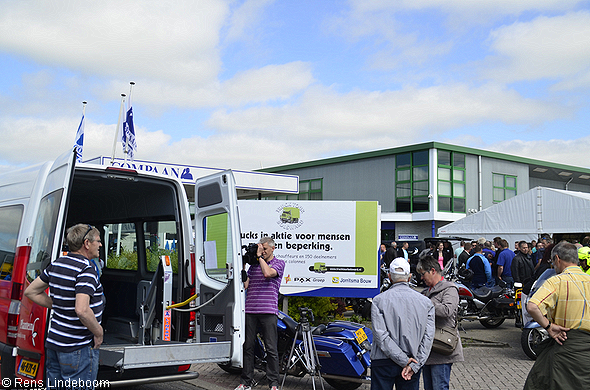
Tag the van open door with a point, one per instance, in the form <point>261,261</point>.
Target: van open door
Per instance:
<point>45,246</point>
<point>219,263</point>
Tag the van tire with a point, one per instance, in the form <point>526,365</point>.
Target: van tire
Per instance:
<point>230,369</point>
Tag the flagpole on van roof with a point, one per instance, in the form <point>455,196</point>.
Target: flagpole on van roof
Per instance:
<point>117,131</point>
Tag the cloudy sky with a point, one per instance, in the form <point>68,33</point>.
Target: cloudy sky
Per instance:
<point>259,83</point>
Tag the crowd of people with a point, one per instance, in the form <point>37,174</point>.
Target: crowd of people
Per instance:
<point>405,324</point>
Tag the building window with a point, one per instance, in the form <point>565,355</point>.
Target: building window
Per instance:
<point>411,182</point>
<point>451,181</point>
<point>504,187</point>
<point>308,190</point>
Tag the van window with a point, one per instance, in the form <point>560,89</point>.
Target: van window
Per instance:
<point>160,239</point>
<point>44,234</point>
<point>10,220</point>
<point>218,249</point>
<point>121,252</point>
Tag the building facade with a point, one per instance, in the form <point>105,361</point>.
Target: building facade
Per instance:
<point>422,187</point>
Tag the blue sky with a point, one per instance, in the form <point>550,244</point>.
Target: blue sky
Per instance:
<point>258,83</point>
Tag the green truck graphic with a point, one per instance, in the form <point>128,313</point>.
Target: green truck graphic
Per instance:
<point>290,215</point>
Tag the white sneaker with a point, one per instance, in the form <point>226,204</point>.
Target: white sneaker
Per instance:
<point>243,387</point>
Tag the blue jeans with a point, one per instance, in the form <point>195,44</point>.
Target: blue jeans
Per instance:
<point>509,280</point>
<point>65,367</point>
<point>437,376</point>
<point>385,373</point>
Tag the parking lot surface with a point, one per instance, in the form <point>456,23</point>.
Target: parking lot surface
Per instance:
<point>494,360</point>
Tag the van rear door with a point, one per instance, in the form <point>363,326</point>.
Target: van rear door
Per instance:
<point>45,246</point>
<point>219,263</point>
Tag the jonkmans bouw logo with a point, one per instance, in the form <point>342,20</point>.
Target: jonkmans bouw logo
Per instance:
<point>289,215</point>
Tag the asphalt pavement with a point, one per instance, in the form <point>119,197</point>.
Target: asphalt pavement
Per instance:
<point>494,360</point>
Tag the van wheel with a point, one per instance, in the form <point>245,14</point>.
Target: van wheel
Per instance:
<point>340,384</point>
<point>229,368</point>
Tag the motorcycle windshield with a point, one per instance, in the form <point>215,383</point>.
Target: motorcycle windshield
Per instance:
<point>539,282</point>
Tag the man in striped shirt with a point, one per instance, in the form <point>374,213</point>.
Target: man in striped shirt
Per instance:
<point>77,300</point>
<point>262,298</point>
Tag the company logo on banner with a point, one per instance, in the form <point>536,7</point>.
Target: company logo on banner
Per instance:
<point>289,216</point>
<point>323,243</point>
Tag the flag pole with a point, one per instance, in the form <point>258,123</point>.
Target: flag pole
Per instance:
<point>126,149</point>
<point>117,131</point>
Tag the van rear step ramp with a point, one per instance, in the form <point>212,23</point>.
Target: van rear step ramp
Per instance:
<point>126,357</point>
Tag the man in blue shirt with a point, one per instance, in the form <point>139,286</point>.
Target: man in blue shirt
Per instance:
<point>504,263</point>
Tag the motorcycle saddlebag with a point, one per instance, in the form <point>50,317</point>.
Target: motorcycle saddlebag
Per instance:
<point>337,357</point>
<point>502,303</point>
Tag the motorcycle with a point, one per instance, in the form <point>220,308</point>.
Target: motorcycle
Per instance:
<point>343,350</point>
<point>490,306</point>
<point>532,333</point>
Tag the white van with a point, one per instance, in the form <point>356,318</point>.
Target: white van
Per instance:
<point>152,263</point>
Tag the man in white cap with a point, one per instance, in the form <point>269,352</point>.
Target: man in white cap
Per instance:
<point>403,331</point>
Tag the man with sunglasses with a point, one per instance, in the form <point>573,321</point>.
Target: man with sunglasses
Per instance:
<point>77,300</point>
<point>561,307</point>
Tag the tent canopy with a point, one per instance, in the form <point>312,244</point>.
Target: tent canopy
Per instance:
<point>538,211</point>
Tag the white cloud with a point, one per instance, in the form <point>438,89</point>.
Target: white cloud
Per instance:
<point>545,48</point>
<point>269,83</point>
<point>465,9</point>
<point>246,17</point>
<point>176,41</point>
<point>572,152</point>
<point>324,114</point>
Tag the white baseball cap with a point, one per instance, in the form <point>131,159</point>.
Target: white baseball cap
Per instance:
<point>399,266</point>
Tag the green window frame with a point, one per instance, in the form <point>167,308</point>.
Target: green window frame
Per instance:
<point>308,190</point>
<point>504,186</point>
<point>412,182</point>
<point>451,188</point>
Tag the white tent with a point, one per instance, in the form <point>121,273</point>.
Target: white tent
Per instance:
<point>526,216</point>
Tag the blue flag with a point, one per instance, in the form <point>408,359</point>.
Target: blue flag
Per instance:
<point>79,144</point>
<point>128,135</point>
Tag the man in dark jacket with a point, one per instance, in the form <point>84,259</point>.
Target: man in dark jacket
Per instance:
<point>522,265</point>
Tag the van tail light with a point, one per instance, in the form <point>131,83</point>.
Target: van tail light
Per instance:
<point>192,321</point>
<point>21,259</point>
<point>193,269</point>
<point>13,313</point>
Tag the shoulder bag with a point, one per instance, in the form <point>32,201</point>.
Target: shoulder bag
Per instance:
<point>445,340</point>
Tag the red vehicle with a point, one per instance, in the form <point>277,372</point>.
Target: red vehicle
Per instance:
<point>150,264</point>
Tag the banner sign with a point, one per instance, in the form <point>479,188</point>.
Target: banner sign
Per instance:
<point>323,243</point>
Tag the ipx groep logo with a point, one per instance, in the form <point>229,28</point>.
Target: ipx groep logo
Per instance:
<point>290,216</point>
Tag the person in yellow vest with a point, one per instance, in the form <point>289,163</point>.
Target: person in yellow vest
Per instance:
<point>584,256</point>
